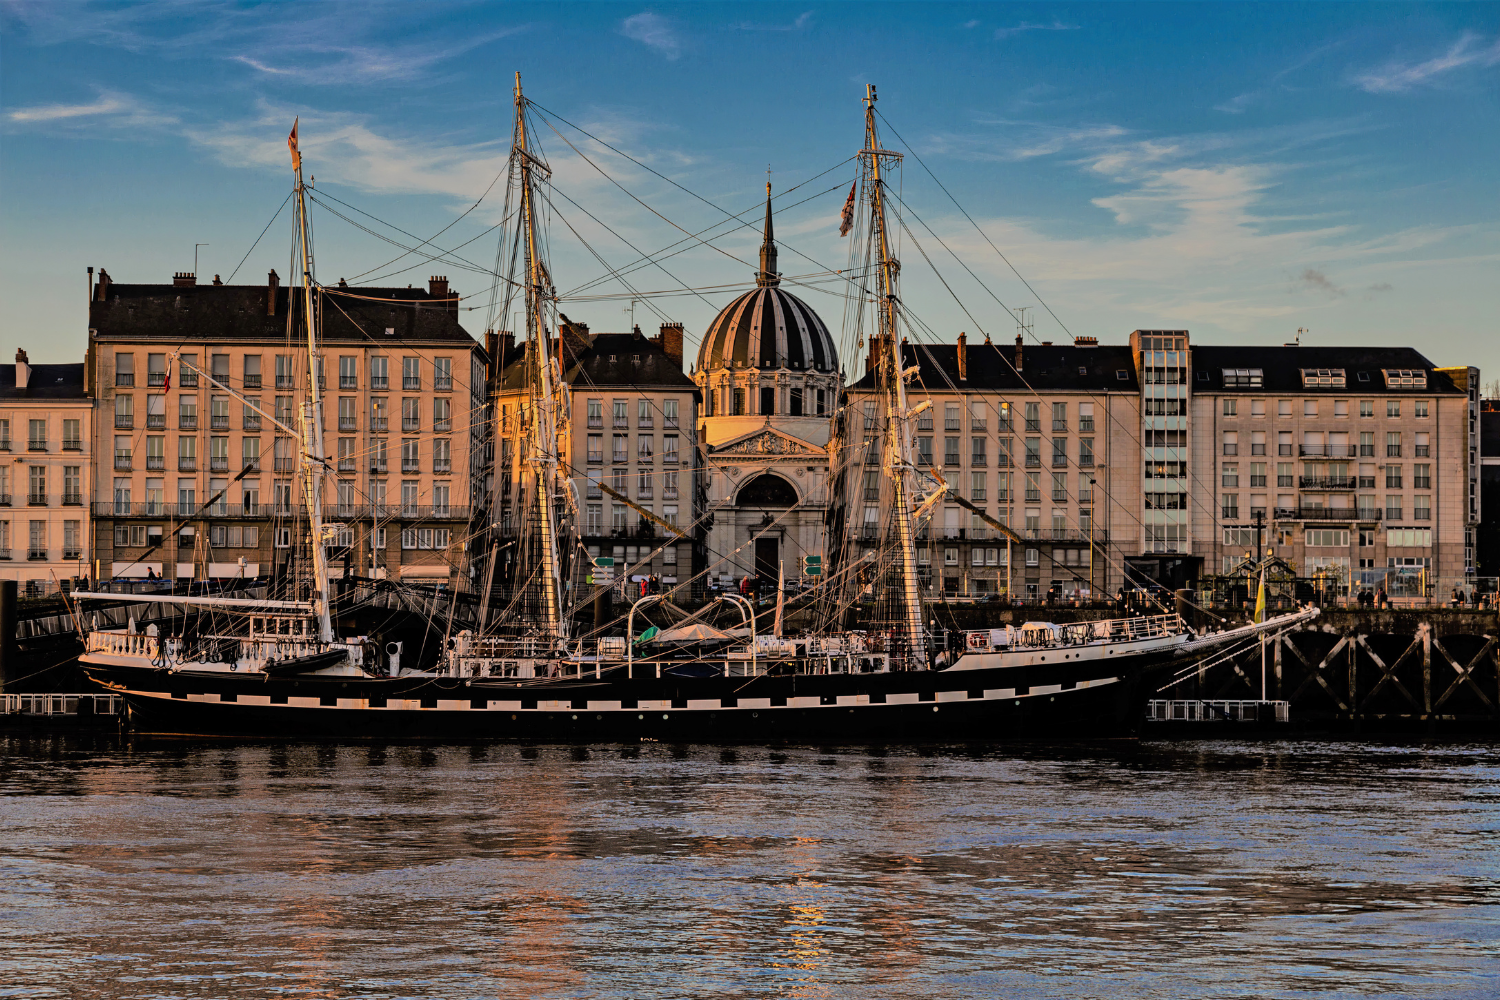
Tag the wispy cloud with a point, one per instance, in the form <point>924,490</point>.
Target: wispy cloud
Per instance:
<point>1025,26</point>
<point>972,24</point>
<point>800,23</point>
<point>1396,77</point>
<point>114,108</point>
<point>316,62</point>
<point>653,31</point>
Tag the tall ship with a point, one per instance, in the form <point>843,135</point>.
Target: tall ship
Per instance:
<point>538,659</point>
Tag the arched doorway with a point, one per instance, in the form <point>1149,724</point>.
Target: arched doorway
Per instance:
<point>765,491</point>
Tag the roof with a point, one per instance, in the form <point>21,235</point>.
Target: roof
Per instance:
<point>794,336</point>
<point>1281,368</point>
<point>225,313</point>
<point>1045,368</point>
<point>610,360</point>
<point>44,382</point>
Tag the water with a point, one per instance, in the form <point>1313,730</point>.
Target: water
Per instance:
<point>176,869</point>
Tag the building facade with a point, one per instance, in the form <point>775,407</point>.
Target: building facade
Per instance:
<point>46,475</point>
<point>1039,437</point>
<point>198,392</point>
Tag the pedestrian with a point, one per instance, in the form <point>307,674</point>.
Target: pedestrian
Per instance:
<point>1381,599</point>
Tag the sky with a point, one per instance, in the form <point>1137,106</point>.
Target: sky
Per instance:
<point>1237,170</point>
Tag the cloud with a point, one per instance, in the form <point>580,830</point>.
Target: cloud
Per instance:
<point>972,24</point>
<point>653,31</point>
<point>1024,26</point>
<point>1397,77</point>
<point>317,62</point>
<point>115,108</point>
<point>1316,280</point>
<point>1376,289</point>
<point>797,25</point>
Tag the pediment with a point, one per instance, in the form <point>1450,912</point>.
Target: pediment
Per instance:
<point>765,441</point>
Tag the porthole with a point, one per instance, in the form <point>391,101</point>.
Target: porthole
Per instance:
<point>664,715</point>
<point>640,716</point>
<point>575,718</point>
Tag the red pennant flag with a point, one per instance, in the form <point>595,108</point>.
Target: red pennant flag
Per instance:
<point>846,218</point>
<point>291,143</point>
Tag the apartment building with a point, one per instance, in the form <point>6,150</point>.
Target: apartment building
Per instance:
<point>632,417</point>
<point>1042,438</point>
<point>45,475</point>
<point>199,389</point>
<point>1355,464</point>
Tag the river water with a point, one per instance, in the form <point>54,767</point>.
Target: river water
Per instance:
<point>158,869</point>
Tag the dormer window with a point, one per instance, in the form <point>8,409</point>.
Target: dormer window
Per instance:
<point>1323,378</point>
<point>1404,378</point>
<point>1243,378</point>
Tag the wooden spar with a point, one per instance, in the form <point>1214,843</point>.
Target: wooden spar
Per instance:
<point>642,511</point>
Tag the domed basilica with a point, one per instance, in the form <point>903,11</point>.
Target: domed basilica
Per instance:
<point>770,379</point>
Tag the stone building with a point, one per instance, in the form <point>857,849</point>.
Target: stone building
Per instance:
<point>195,481</point>
<point>46,476</point>
<point>770,378</point>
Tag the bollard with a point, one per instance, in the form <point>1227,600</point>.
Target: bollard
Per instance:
<point>7,630</point>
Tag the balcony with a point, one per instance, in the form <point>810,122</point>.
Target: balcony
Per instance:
<point>284,464</point>
<point>1393,451</point>
<point>379,425</point>
<point>4,553</point>
<point>347,464</point>
<point>5,445</point>
<point>1100,535</point>
<point>442,466</point>
<point>1002,461</point>
<point>1033,496</point>
<point>1326,514</point>
<point>187,463</point>
<point>978,461</point>
<point>187,421</point>
<point>252,381</point>
<point>156,421</point>
<point>411,424</point>
<point>1059,461</point>
<point>379,383</point>
<point>1284,450</point>
<point>348,381</point>
<point>1421,451</point>
<point>379,466</point>
<point>978,426</point>
<point>106,508</point>
<point>187,380</point>
<point>125,380</point>
<point>1033,426</point>
<point>411,465</point>
<point>951,460</point>
<point>155,380</point>
<point>36,444</point>
<point>870,532</point>
<point>1422,514</point>
<point>122,462</point>
<point>1326,482</point>
<point>154,463</point>
<point>286,381</point>
<point>72,499</point>
<point>1085,461</point>
<point>251,422</point>
<point>36,499</point>
<point>1326,451</point>
<point>1421,482</point>
<point>412,382</point>
<point>1059,427</point>
<point>123,422</point>
<point>217,464</point>
<point>596,423</point>
<point>443,383</point>
<point>219,422</point>
<point>622,424</point>
<point>1033,461</point>
<point>36,555</point>
<point>72,553</point>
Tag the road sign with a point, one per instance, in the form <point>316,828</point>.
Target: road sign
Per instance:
<point>812,565</point>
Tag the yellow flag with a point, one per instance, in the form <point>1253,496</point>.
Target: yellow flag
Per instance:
<point>1260,599</point>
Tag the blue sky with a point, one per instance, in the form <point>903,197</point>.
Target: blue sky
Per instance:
<point>1236,170</point>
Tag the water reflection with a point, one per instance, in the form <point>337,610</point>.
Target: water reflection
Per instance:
<point>179,869</point>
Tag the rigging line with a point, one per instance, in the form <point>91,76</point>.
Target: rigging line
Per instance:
<point>456,261</point>
<point>901,219</point>
<point>685,244</point>
<point>966,215</point>
<point>603,263</point>
<point>669,180</point>
<point>260,237</point>
<point>427,258</point>
<point>449,226</point>
<point>547,198</point>
<point>955,256</point>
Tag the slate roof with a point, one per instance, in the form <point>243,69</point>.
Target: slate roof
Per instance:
<point>45,382</point>
<point>1281,368</point>
<point>611,360</point>
<point>1053,367</point>
<point>227,313</point>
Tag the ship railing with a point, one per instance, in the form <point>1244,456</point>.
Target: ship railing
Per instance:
<point>58,704</point>
<point>124,644</point>
<point>1078,633</point>
<point>1216,710</point>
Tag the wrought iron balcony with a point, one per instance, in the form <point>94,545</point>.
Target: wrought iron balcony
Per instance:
<point>155,463</point>
<point>251,423</point>
<point>36,444</point>
<point>118,508</point>
<point>252,381</point>
<point>284,464</point>
<point>380,383</point>
<point>122,462</point>
<point>442,466</point>
<point>187,463</point>
<point>36,499</point>
<point>410,424</point>
<point>1326,482</point>
<point>123,422</point>
<point>380,425</point>
<point>1327,450</point>
<point>443,383</point>
<point>156,380</point>
<point>411,381</point>
<point>348,381</point>
<point>125,379</point>
<point>36,555</point>
<point>1326,514</point>
<point>187,421</point>
<point>72,499</point>
<point>219,422</point>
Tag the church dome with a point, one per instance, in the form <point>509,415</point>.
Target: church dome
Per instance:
<point>767,327</point>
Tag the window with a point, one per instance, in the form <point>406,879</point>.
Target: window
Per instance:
<point>594,519</point>
<point>1326,538</point>
<point>442,374</point>
<point>596,448</point>
<point>1323,378</point>
<point>1419,409</point>
<point>411,459</point>
<point>1059,453</point>
<point>977,492</point>
<point>411,373</point>
<point>1393,477</point>
<point>1393,444</point>
<point>218,454</point>
<point>645,447</point>
<point>1409,538</point>
<point>1033,557</point>
<point>250,449</point>
<point>1085,453</point>
<point>1367,407</point>
<point>950,451</point>
<point>1421,477</point>
<point>1034,416</point>
<point>1231,407</point>
<point>1059,487</point>
<point>218,418</point>
<point>1403,378</point>
<point>187,454</point>
<point>411,414</point>
<point>669,454</point>
<point>1231,506</point>
<point>37,493</point>
<point>251,414</point>
<point>643,413</point>
<point>187,413</point>
<point>924,451</point>
<point>380,379</point>
<point>1423,446</point>
<point>1393,508</point>
<point>1257,442</point>
<point>377,453</point>
<point>348,372</point>
<point>1243,378</point>
<point>252,371</point>
<point>37,440</point>
<point>1393,408</point>
<point>285,378</point>
<point>1283,407</point>
<point>442,455</point>
<point>1309,407</point>
<point>124,413</point>
<point>739,402</point>
<point>1366,444</point>
<point>1033,453</point>
<point>1231,474</point>
<point>1421,508</point>
<point>1231,442</point>
<point>1059,418</point>
<point>977,456</point>
<point>669,413</point>
<point>124,369</point>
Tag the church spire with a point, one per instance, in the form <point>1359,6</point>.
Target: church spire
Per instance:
<point>768,275</point>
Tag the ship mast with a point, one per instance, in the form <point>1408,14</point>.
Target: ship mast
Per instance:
<point>542,456</point>
<point>891,379</point>
<point>314,462</point>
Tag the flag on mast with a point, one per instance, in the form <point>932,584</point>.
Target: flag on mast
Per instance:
<point>846,217</point>
<point>1260,598</point>
<point>291,143</point>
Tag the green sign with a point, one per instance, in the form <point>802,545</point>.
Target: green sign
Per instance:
<point>814,560</point>
<point>812,565</point>
<point>648,635</point>
<point>602,561</point>
<point>814,571</point>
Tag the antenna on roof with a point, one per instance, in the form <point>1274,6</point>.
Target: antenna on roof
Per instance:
<point>1300,331</point>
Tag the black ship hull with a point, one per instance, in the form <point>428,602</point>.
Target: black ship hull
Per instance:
<point>1072,700</point>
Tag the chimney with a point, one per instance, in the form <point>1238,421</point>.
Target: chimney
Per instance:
<point>273,282</point>
<point>184,279</point>
<point>872,360</point>
<point>1085,341</point>
<point>101,290</point>
<point>507,346</point>
<point>437,288</point>
<point>217,281</point>
<point>963,357</point>
<point>670,340</point>
<point>637,332</point>
<point>23,370</point>
<point>1018,352</point>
